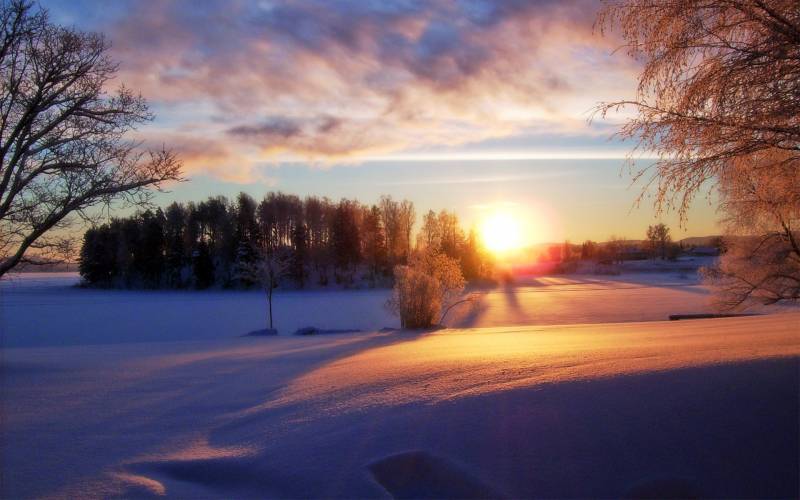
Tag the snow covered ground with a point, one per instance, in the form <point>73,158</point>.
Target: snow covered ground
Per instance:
<point>47,309</point>
<point>40,310</point>
<point>136,394</point>
<point>706,407</point>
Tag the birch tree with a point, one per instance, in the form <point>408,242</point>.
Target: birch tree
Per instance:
<point>718,102</point>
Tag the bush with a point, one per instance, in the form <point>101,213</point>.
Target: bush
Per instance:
<point>431,283</point>
<point>415,298</point>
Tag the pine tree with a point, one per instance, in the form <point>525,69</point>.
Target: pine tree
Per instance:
<point>299,255</point>
<point>346,241</point>
<point>246,238</point>
<point>203,266</point>
<point>149,249</point>
<point>174,234</point>
<point>98,256</point>
<point>375,252</point>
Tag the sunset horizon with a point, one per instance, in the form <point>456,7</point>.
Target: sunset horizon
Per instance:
<point>399,249</point>
<point>364,119</point>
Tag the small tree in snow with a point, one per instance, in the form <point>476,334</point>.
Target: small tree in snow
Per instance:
<point>427,289</point>
<point>267,270</point>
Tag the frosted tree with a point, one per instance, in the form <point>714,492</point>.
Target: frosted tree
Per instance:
<point>62,135</point>
<point>427,289</point>
<point>762,207</point>
<point>717,102</point>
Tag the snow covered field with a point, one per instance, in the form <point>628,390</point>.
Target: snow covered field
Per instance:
<point>49,310</point>
<point>704,407</point>
<point>138,394</point>
<point>46,309</point>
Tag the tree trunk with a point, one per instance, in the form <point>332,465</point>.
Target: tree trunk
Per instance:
<point>269,299</point>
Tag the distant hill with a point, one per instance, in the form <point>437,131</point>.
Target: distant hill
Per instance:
<point>691,241</point>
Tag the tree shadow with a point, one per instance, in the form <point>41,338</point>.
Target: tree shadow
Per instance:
<point>694,288</point>
<point>474,314</point>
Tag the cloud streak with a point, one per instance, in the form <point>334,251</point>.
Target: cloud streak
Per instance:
<point>555,174</point>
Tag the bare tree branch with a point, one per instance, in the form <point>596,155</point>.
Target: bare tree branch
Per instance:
<point>63,146</point>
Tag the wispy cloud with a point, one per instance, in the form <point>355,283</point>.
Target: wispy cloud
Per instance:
<point>563,154</point>
<point>346,80</point>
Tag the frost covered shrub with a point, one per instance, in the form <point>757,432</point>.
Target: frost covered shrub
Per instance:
<point>762,208</point>
<point>429,284</point>
<point>415,298</point>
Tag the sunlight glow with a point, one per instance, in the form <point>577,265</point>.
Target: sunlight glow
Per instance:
<point>500,232</point>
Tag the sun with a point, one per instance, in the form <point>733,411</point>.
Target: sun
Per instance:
<point>500,232</point>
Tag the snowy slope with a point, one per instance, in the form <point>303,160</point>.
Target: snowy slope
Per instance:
<point>704,407</point>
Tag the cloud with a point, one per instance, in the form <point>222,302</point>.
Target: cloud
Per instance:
<point>271,129</point>
<point>328,80</point>
<point>215,158</point>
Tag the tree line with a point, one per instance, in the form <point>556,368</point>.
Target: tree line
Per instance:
<point>313,241</point>
<point>616,249</point>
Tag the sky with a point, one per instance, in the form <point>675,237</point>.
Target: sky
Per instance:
<point>468,105</point>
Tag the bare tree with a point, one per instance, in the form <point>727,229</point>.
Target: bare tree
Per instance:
<point>430,235</point>
<point>398,222</point>
<point>615,248</point>
<point>407,217</point>
<point>719,102</point>
<point>62,135</point>
<point>390,215</point>
<point>658,239</point>
<point>270,265</point>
